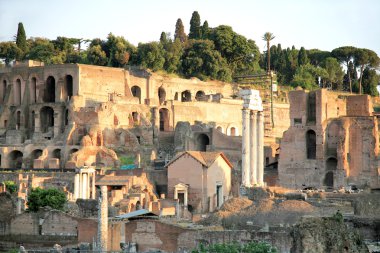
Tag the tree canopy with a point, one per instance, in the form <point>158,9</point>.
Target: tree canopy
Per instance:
<point>39,198</point>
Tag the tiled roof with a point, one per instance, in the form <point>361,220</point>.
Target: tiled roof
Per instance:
<point>205,158</point>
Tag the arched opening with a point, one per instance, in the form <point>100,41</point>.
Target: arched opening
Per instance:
<point>161,95</point>
<point>176,96</point>
<point>68,92</point>
<point>220,129</point>
<point>136,92</point>
<point>329,179</point>
<point>72,151</point>
<point>18,92</point>
<point>164,119</point>
<point>49,92</point>
<point>56,153</point>
<point>311,144</point>
<point>33,124</point>
<point>33,90</point>
<point>66,117</point>
<point>233,131</point>
<point>15,159</point>
<point>35,155</point>
<point>18,120</point>
<point>186,96</point>
<point>200,96</point>
<point>135,117</point>
<point>4,89</point>
<point>47,119</point>
<point>331,164</point>
<point>202,142</point>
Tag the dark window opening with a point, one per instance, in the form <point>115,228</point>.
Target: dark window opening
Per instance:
<point>311,144</point>
<point>49,92</point>
<point>311,107</point>
<point>186,96</point>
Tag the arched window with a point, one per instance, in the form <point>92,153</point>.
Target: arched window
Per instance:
<point>68,88</point>
<point>186,96</point>
<point>15,159</point>
<point>49,92</point>
<point>17,92</point>
<point>200,96</point>
<point>33,90</point>
<point>18,120</point>
<point>47,118</point>
<point>164,119</point>
<point>202,142</point>
<point>161,95</point>
<point>220,129</point>
<point>233,131</point>
<point>311,144</point>
<point>136,92</point>
<point>56,153</point>
<point>35,155</point>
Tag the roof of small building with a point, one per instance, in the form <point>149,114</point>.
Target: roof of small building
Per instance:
<point>112,180</point>
<point>205,158</point>
<point>143,213</point>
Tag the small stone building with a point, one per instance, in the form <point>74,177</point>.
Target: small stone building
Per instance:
<point>333,141</point>
<point>200,181</point>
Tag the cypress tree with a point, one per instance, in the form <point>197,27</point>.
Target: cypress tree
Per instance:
<point>195,26</point>
<point>180,31</point>
<point>302,57</point>
<point>21,37</point>
<point>163,38</point>
<point>205,29</point>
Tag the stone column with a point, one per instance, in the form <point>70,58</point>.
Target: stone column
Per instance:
<point>57,123</point>
<point>84,186</point>
<point>175,193</point>
<point>103,219</point>
<point>260,149</point>
<point>93,191</point>
<point>253,148</point>
<point>76,186</point>
<point>245,149</point>
<point>185,199</point>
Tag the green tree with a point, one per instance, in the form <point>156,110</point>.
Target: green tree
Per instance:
<point>302,57</point>
<point>195,26</point>
<point>235,247</point>
<point>38,198</point>
<point>345,55</point>
<point>306,76</point>
<point>10,186</point>
<point>201,60</point>
<point>96,55</point>
<point>9,52</point>
<point>370,82</point>
<point>173,53</point>
<point>267,37</point>
<point>205,30</point>
<point>151,55</point>
<point>334,72</point>
<point>118,50</point>
<point>42,49</point>
<point>21,40</point>
<point>180,31</point>
<point>365,58</point>
<point>317,57</point>
<point>164,38</point>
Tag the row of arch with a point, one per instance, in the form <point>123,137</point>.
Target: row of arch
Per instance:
<point>16,157</point>
<point>185,96</point>
<point>231,131</point>
<point>48,91</point>
<point>46,119</point>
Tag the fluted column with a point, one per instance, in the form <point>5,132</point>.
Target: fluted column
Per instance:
<point>76,186</point>
<point>245,149</point>
<point>260,149</point>
<point>253,148</point>
<point>84,186</point>
<point>93,191</point>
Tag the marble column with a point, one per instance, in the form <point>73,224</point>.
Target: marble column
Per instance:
<point>253,148</point>
<point>103,219</point>
<point>84,186</point>
<point>245,149</point>
<point>260,149</point>
<point>76,186</point>
<point>93,191</point>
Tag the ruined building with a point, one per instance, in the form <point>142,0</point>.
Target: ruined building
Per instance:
<point>333,141</point>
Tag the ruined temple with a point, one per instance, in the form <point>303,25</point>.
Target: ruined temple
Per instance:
<point>333,141</point>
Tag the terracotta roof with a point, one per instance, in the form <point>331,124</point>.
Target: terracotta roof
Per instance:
<point>205,158</point>
<point>112,180</point>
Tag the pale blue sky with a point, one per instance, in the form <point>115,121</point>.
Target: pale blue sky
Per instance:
<point>322,24</point>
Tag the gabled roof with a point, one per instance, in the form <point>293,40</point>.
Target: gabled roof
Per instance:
<point>205,158</point>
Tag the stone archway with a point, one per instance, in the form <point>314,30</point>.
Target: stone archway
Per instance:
<point>35,155</point>
<point>186,96</point>
<point>202,142</point>
<point>161,95</point>
<point>47,118</point>
<point>49,92</point>
<point>164,119</point>
<point>136,92</point>
<point>68,87</point>
<point>15,159</point>
<point>200,96</point>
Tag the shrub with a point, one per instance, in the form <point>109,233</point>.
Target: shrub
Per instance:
<point>38,198</point>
